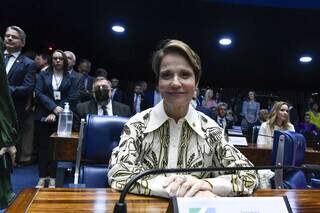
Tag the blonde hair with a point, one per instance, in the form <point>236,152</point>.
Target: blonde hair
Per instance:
<point>176,46</point>
<point>273,115</point>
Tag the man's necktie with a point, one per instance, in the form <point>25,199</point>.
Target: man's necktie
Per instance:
<point>6,59</point>
<point>104,108</point>
<point>221,122</point>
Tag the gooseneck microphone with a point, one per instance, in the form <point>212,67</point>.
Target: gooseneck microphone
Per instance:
<point>121,206</point>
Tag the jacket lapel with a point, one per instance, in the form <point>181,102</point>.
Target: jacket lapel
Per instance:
<point>15,66</point>
<point>93,108</point>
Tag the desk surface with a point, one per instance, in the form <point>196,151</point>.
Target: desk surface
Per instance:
<point>103,200</point>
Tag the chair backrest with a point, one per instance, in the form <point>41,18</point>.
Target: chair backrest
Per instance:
<point>294,148</point>
<point>94,176</point>
<point>101,136</point>
<point>255,133</point>
<point>288,150</point>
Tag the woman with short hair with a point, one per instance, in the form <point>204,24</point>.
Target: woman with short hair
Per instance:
<point>173,134</point>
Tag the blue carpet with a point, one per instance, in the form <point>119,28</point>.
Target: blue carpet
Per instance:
<point>24,177</point>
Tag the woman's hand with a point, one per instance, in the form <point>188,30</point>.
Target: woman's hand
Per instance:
<point>51,118</point>
<point>57,110</point>
<point>12,151</point>
<point>185,186</point>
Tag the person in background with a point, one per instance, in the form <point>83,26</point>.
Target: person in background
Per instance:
<point>117,94</point>
<point>314,115</point>
<point>85,92</point>
<point>221,118</point>
<point>175,135</point>
<point>8,136</point>
<point>195,104</point>
<point>293,114</point>
<point>77,76</point>
<point>42,61</point>
<point>54,88</point>
<point>250,113</point>
<point>263,117</point>
<point>153,97</point>
<point>144,86</point>
<point>101,72</point>
<point>279,120</point>
<point>102,104</point>
<point>308,129</point>
<point>136,100</point>
<point>208,101</point>
<point>21,72</point>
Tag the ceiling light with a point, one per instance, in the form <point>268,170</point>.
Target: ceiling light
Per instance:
<point>305,59</point>
<point>225,41</point>
<point>118,28</point>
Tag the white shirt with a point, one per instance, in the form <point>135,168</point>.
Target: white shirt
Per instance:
<point>113,92</point>
<point>56,80</point>
<point>109,109</point>
<point>44,68</point>
<point>224,122</point>
<point>265,136</point>
<point>12,59</point>
<point>137,102</point>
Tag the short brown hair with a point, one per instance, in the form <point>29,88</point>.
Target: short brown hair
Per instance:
<point>176,46</point>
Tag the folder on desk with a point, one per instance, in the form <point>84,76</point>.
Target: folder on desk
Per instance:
<point>229,204</point>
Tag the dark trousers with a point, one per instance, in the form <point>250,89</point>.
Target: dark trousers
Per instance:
<point>47,167</point>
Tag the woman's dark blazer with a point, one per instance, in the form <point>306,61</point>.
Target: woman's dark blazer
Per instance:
<point>44,93</point>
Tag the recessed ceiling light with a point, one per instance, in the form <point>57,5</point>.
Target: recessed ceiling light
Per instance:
<point>305,59</point>
<point>118,28</point>
<point>225,41</point>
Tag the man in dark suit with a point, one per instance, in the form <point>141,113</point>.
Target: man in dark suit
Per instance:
<point>102,104</point>
<point>136,100</point>
<point>117,94</point>
<point>71,62</point>
<point>221,118</point>
<point>20,72</point>
<point>85,92</point>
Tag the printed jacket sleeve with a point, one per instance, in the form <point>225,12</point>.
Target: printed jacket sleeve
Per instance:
<point>126,162</point>
<point>231,183</point>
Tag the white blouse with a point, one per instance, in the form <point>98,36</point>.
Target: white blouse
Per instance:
<point>265,136</point>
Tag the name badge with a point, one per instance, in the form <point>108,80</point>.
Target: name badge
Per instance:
<point>57,95</point>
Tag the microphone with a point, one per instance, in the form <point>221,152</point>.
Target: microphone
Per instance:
<point>121,206</point>
<point>268,136</point>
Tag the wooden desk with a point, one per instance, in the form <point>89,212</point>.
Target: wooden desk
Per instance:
<point>65,150</point>
<point>261,155</point>
<point>103,200</point>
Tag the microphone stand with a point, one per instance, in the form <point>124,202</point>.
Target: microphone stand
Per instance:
<point>121,206</point>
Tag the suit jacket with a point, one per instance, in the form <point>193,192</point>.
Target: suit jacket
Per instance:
<point>44,93</point>
<point>21,80</point>
<point>229,123</point>
<point>90,107</point>
<point>77,77</point>
<point>204,110</point>
<point>85,89</point>
<point>130,103</point>
<point>118,96</point>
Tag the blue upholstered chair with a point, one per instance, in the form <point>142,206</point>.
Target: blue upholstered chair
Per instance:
<point>101,136</point>
<point>289,150</point>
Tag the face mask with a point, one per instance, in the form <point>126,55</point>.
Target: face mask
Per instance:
<point>101,95</point>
